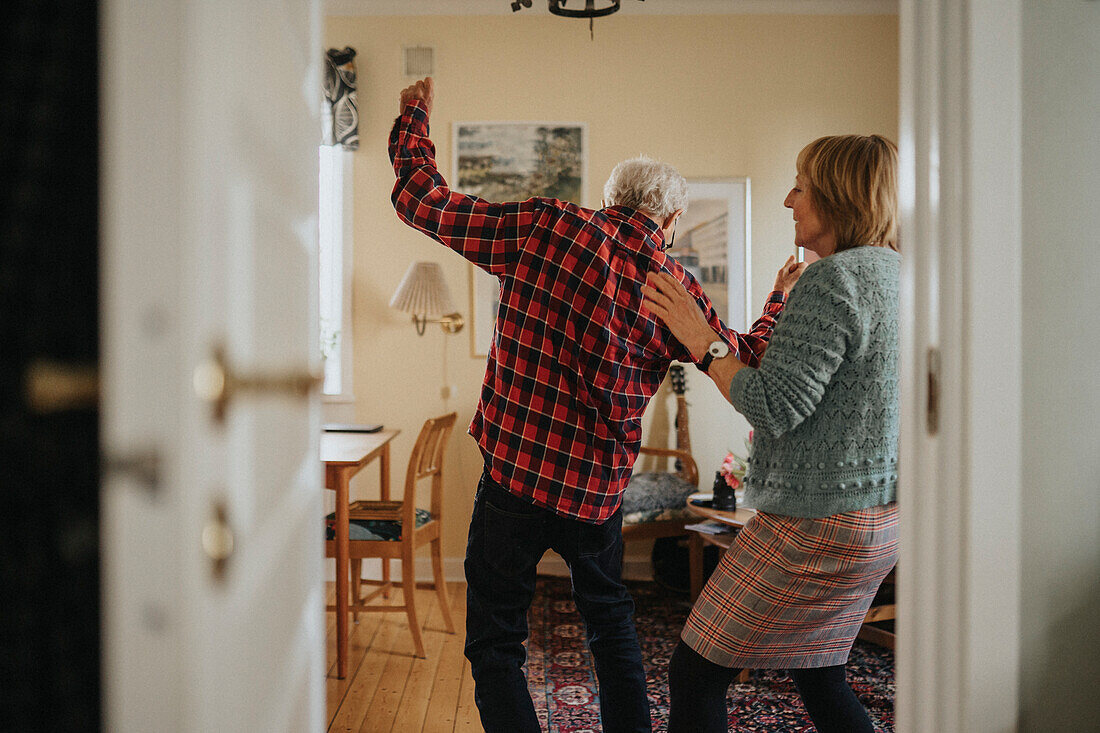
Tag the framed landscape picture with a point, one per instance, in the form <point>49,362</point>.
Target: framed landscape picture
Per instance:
<point>513,161</point>
<point>713,244</point>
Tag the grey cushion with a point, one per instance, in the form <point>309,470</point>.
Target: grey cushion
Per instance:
<point>655,496</point>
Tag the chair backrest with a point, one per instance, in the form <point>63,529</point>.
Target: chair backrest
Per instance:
<point>427,461</point>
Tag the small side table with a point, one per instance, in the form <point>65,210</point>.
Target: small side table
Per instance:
<point>699,505</point>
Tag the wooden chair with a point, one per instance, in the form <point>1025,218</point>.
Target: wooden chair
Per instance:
<point>379,529</point>
<point>660,518</point>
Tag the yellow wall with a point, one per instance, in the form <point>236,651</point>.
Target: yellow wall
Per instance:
<point>715,96</point>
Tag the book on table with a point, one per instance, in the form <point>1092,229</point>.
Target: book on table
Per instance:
<point>339,427</point>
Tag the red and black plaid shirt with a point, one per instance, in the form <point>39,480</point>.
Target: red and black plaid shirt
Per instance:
<point>574,360</point>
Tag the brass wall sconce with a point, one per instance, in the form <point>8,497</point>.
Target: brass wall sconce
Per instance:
<point>423,292</point>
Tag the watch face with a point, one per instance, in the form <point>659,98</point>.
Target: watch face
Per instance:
<point>718,349</point>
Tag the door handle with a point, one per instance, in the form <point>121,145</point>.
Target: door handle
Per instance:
<point>53,386</point>
<point>215,382</point>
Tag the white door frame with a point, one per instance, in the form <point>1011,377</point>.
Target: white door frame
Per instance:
<point>960,496</point>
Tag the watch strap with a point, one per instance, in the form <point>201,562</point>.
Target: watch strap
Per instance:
<point>704,364</point>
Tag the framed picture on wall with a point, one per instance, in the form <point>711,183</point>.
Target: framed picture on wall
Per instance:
<point>513,161</point>
<point>713,244</point>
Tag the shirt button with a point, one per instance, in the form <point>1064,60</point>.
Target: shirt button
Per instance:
<point>841,487</point>
<point>840,464</point>
<point>821,465</point>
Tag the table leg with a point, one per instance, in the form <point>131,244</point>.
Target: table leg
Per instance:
<point>384,494</point>
<point>340,482</point>
<point>695,563</point>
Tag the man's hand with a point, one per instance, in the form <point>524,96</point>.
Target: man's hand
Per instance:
<point>788,275</point>
<point>423,90</point>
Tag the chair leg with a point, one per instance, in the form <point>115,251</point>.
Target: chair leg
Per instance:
<point>408,589</point>
<point>356,578</point>
<point>385,577</point>
<point>440,586</point>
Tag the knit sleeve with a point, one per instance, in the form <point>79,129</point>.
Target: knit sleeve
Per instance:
<point>818,327</point>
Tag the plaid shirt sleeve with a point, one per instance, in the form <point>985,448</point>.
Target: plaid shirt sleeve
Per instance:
<point>487,234</point>
<point>751,345</point>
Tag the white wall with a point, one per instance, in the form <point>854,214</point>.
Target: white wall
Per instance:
<point>1060,652</point>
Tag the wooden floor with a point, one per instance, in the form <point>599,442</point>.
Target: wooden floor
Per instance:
<point>387,687</point>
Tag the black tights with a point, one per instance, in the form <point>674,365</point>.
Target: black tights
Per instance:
<point>697,691</point>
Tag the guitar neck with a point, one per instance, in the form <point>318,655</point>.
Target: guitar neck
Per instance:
<point>683,440</point>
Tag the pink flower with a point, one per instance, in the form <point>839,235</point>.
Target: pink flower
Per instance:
<point>732,481</point>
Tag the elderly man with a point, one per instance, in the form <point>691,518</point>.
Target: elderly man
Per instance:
<point>572,366</point>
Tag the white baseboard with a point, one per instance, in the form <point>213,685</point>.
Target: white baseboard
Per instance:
<point>635,568</point>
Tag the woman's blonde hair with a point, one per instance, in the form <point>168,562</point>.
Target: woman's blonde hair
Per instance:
<point>853,183</point>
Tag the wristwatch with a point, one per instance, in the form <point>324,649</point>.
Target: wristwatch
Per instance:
<point>716,350</point>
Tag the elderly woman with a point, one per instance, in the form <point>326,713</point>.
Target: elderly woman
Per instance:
<point>792,590</point>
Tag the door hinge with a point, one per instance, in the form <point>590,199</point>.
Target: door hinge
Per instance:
<point>933,407</point>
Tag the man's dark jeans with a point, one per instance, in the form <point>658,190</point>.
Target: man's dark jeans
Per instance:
<point>508,536</point>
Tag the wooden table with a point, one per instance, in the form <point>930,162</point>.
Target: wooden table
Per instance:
<point>698,505</point>
<point>344,455</point>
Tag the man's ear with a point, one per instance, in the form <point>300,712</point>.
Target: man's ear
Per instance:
<point>671,218</point>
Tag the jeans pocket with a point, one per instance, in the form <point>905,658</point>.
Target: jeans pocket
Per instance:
<point>598,539</point>
<point>511,531</point>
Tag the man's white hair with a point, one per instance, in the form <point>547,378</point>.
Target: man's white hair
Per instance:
<point>647,185</point>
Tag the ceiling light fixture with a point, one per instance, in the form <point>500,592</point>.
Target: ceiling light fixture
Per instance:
<point>591,9</point>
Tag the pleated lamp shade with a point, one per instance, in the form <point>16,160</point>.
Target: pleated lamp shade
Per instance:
<point>423,293</point>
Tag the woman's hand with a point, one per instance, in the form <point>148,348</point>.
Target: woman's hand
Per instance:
<point>666,298</point>
<point>423,90</point>
<point>788,275</point>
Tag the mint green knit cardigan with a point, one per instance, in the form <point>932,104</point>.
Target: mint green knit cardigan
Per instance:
<point>823,403</point>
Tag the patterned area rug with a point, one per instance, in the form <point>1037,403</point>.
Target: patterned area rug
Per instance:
<point>563,684</point>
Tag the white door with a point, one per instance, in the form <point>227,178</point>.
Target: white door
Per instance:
<point>959,492</point>
<point>208,233</point>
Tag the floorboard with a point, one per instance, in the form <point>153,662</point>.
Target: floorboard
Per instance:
<point>388,689</point>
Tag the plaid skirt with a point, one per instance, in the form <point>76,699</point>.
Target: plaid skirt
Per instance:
<point>791,593</point>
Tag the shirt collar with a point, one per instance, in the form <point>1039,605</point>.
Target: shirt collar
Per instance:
<point>635,231</point>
